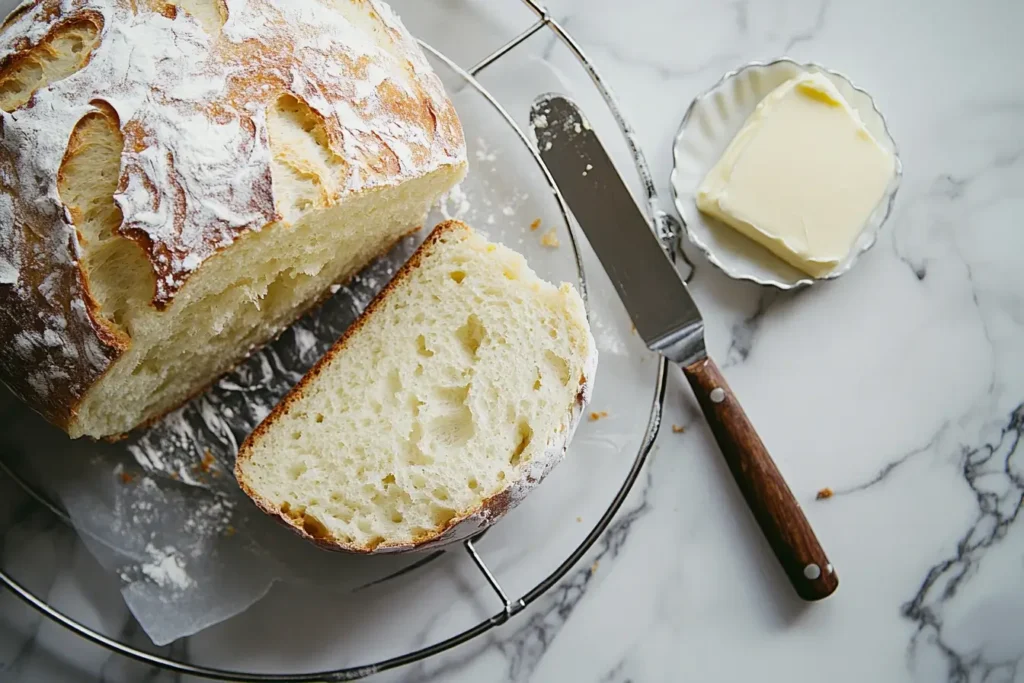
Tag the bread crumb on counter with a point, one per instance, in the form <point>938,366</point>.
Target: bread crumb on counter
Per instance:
<point>535,224</point>
<point>593,567</point>
<point>676,429</point>
<point>579,519</point>
<point>598,415</point>
<point>127,477</point>
<point>230,531</point>
<point>550,239</point>
<point>824,493</point>
<point>206,465</point>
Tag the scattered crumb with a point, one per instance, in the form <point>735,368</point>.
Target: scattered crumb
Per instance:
<point>579,519</point>
<point>593,567</point>
<point>535,224</point>
<point>676,429</point>
<point>632,328</point>
<point>127,477</point>
<point>824,493</point>
<point>598,415</point>
<point>230,531</point>
<point>175,476</point>
<point>207,464</point>
<point>550,239</point>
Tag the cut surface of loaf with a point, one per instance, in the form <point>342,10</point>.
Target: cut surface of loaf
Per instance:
<point>450,398</point>
<point>180,179</point>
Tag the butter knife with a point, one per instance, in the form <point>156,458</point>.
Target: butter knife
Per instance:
<point>669,322</point>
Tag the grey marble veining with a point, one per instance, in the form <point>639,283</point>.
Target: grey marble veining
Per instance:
<point>900,387</point>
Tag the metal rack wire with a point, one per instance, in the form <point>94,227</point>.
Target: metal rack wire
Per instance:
<point>664,225</point>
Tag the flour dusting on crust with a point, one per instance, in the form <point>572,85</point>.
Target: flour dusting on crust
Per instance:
<point>196,166</point>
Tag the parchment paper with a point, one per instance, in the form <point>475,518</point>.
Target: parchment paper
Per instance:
<point>162,509</point>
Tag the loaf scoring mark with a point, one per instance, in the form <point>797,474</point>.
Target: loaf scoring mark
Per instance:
<point>307,173</point>
<point>192,103</point>
<point>65,50</point>
<point>117,275</point>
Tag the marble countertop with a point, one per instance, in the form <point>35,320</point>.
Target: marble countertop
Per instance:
<point>900,387</point>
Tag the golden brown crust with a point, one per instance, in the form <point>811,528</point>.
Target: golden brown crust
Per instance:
<point>54,341</point>
<point>459,527</point>
<point>282,408</point>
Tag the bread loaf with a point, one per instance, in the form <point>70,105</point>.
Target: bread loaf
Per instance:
<point>445,403</point>
<point>179,179</point>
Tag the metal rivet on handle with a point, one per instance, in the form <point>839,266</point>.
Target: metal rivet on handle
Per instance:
<point>812,571</point>
<point>717,395</point>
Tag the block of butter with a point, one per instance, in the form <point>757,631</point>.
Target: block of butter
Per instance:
<point>801,177</point>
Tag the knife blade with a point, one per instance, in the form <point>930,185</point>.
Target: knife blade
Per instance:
<point>668,320</point>
<point>665,315</point>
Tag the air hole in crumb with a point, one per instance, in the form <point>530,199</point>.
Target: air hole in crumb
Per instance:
<point>441,493</point>
<point>314,527</point>
<point>421,348</point>
<point>397,517</point>
<point>524,435</point>
<point>458,275</point>
<point>364,526</point>
<point>472,334</point>
<point>374,541</point>
<point>394,382</point>
<point>501,475</point>
<point>419,481</point>
<point>297,470</point>
<point>390,479</point>
<point>418,371</point>
<point>559,365</point>
<point>344,514</point>
<point>296,436</point>
<point>510,274</point>
<point>319,417</point>
<point>473,483</point>
<point>441,516</point>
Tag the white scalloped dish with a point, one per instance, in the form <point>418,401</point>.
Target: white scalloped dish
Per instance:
<point>711,122</point>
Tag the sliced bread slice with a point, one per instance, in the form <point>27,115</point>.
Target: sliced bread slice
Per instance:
<point>452,396</point>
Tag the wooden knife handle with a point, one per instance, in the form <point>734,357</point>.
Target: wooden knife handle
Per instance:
<point>776,510</point>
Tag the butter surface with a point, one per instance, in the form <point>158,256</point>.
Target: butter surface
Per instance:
<point>801,177</point>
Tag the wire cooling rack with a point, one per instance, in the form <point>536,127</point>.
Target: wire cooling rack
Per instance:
<point>667,229</point>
